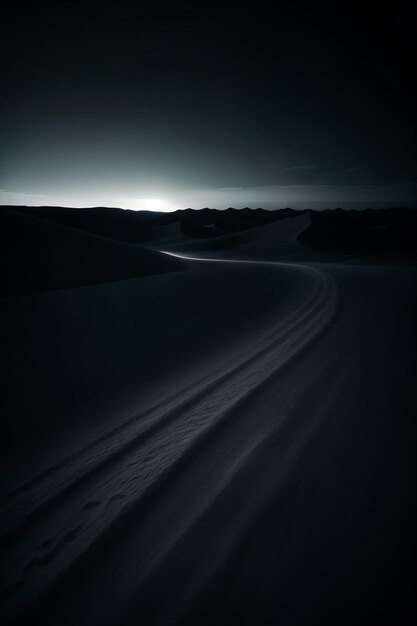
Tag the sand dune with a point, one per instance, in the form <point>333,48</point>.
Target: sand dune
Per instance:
<point>128,226</point>
<point>268,242</point>
<point>232,443</point>
<point>316,236</point>
<point>42,255</point>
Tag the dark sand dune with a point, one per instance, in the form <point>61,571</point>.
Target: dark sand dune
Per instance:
<point>176,423</point>
<point>335,234</point>
<point>361,232</point>
<point>72,345</point>
<point>37,255</point>
<point>274,241</point>
<point>120,224</point>
<point>315,236</point>
<point>229,444</point>
<point>167,234</point>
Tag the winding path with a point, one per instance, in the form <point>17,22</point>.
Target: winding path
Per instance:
<point>168,498</point>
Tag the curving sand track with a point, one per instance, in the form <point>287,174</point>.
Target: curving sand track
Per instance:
<point>265,476</point>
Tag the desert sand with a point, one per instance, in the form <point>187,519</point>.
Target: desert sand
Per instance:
<point>207,417</point>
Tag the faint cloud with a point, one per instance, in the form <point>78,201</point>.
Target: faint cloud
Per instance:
<point>6,194</point>
<point>21,198</point>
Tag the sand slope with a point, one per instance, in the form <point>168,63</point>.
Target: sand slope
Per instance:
<point>268,242</point>
<point>37,255</point>
<point>229,444</point>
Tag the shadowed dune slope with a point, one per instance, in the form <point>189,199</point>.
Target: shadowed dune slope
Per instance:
<point>317,236</point>
<point>121,224</point>
<point>361,232</point>
<point>275,241</point>
<point>277,489</point>
<point>108,343</point>
<point>251,233</point>
<point>37,255</point>
<point>148,226</point>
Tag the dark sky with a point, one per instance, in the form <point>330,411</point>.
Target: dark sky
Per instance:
<point>173,104</point>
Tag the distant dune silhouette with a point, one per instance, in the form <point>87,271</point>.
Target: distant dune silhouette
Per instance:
<point>54,247</point>
<point>336,230</point>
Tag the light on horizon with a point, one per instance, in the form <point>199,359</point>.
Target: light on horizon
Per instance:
<point>149,204</point>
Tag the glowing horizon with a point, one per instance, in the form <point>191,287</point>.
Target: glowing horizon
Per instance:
<point>268,197</point>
